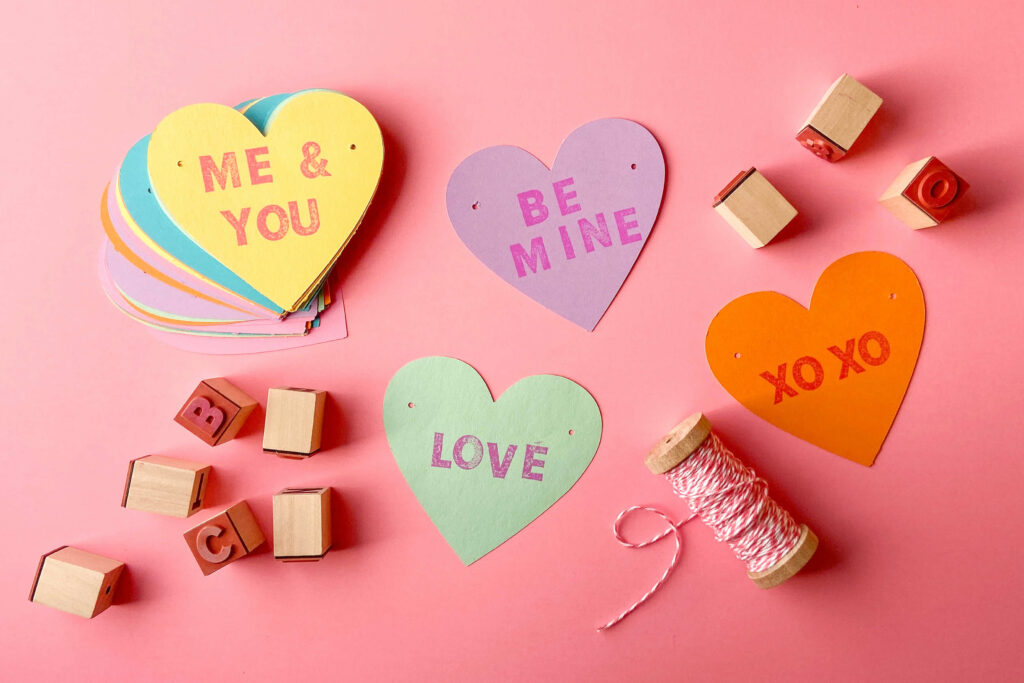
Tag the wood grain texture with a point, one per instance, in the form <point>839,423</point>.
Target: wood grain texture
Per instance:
<point>302,523</point>
<point>844,111</point>
<point>756,210</point>
<point>166,486</point>
<point>679,444</point>
<point>294,421</point>
<point>76,581</point>
<point>791,562</point>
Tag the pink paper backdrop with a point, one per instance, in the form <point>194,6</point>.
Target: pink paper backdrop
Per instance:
<point>918,576</point>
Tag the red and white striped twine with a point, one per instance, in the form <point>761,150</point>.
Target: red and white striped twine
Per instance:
<point>730,498</point>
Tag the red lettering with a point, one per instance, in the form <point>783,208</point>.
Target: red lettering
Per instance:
<point>228,167</point>
<point>779,382</point>
<point>282,219</point>
<point>206,417</point>
<point>314,218</point>
<point>255,166</point>
<point>847,358</point>
<point>883,348</point>
<point>203,545</point>
<point>238,224</point>
<point>798,377</point>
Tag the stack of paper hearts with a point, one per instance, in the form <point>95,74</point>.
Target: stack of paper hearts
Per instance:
<point>223,225</point>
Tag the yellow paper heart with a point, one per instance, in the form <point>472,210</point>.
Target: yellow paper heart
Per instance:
<point>276,209</point>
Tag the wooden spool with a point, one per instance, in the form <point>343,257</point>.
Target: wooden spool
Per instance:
<point>678,445</point>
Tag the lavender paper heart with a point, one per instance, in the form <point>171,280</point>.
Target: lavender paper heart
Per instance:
<point>567,236</point>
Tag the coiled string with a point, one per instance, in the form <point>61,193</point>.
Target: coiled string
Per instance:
<point>730,498</point>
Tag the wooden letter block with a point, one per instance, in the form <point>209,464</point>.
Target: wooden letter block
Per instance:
<point>754,208</point>
<point>924,193</point>
<point>229,536</point>
<point>838,120</point>
<point>75,581</point>
<point>168,486</point>
<point>295,418</point>
<point>215,411</point>
<point>302,524</point>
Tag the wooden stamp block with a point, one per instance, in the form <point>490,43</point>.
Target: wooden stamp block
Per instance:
<point>754,208</point>
<point>229,536</point>
<point>924,193</point>
<point>838,120</point>
<point>294,421</point>
<point>215,411</point>
<point>76,581</point>
<point>302,524</point>
<point>168,486</point>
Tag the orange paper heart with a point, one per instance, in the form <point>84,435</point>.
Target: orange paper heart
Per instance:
<point>834,374</point>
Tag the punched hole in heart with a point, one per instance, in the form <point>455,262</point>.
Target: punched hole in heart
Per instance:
<point>411,404</point>
<point>892,295</point>
<point>180,164</point>
<point>352,146</point>
<point>737,355</point>
<point>572,432</point>
<point>476,205</point>
<point>633,166</point>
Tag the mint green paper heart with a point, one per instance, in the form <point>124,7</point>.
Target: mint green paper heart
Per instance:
<point>473,509</point>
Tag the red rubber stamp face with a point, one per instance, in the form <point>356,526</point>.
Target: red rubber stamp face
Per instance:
<point>215,544</point>
<point>207,414</point>
<point>203,415</point>
<point>819,145</point>
<point>936,189</point>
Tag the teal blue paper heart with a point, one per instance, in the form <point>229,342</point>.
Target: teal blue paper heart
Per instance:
<point>516,456</point>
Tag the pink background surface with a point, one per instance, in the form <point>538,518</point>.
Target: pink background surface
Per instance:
<point>918,574</point>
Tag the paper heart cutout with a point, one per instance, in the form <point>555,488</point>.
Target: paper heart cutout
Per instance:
<point>834,374</point>
<point>553,419</point>
<point>615,166</point>
<point>319,146</point>
<point>135,206</point>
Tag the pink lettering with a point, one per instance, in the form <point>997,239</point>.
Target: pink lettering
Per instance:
<point>538,254</point>
<point>436,460</point>
<point>478,452</point>
<point>589,232</point>
<point>530,462</point>
<point>570,252</point>
<point>563,197</point>
<point>500,469</point>
<point>624,226</point>
<point>531,203</point>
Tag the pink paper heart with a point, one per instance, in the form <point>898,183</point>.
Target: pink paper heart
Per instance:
<point>567,236</point>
